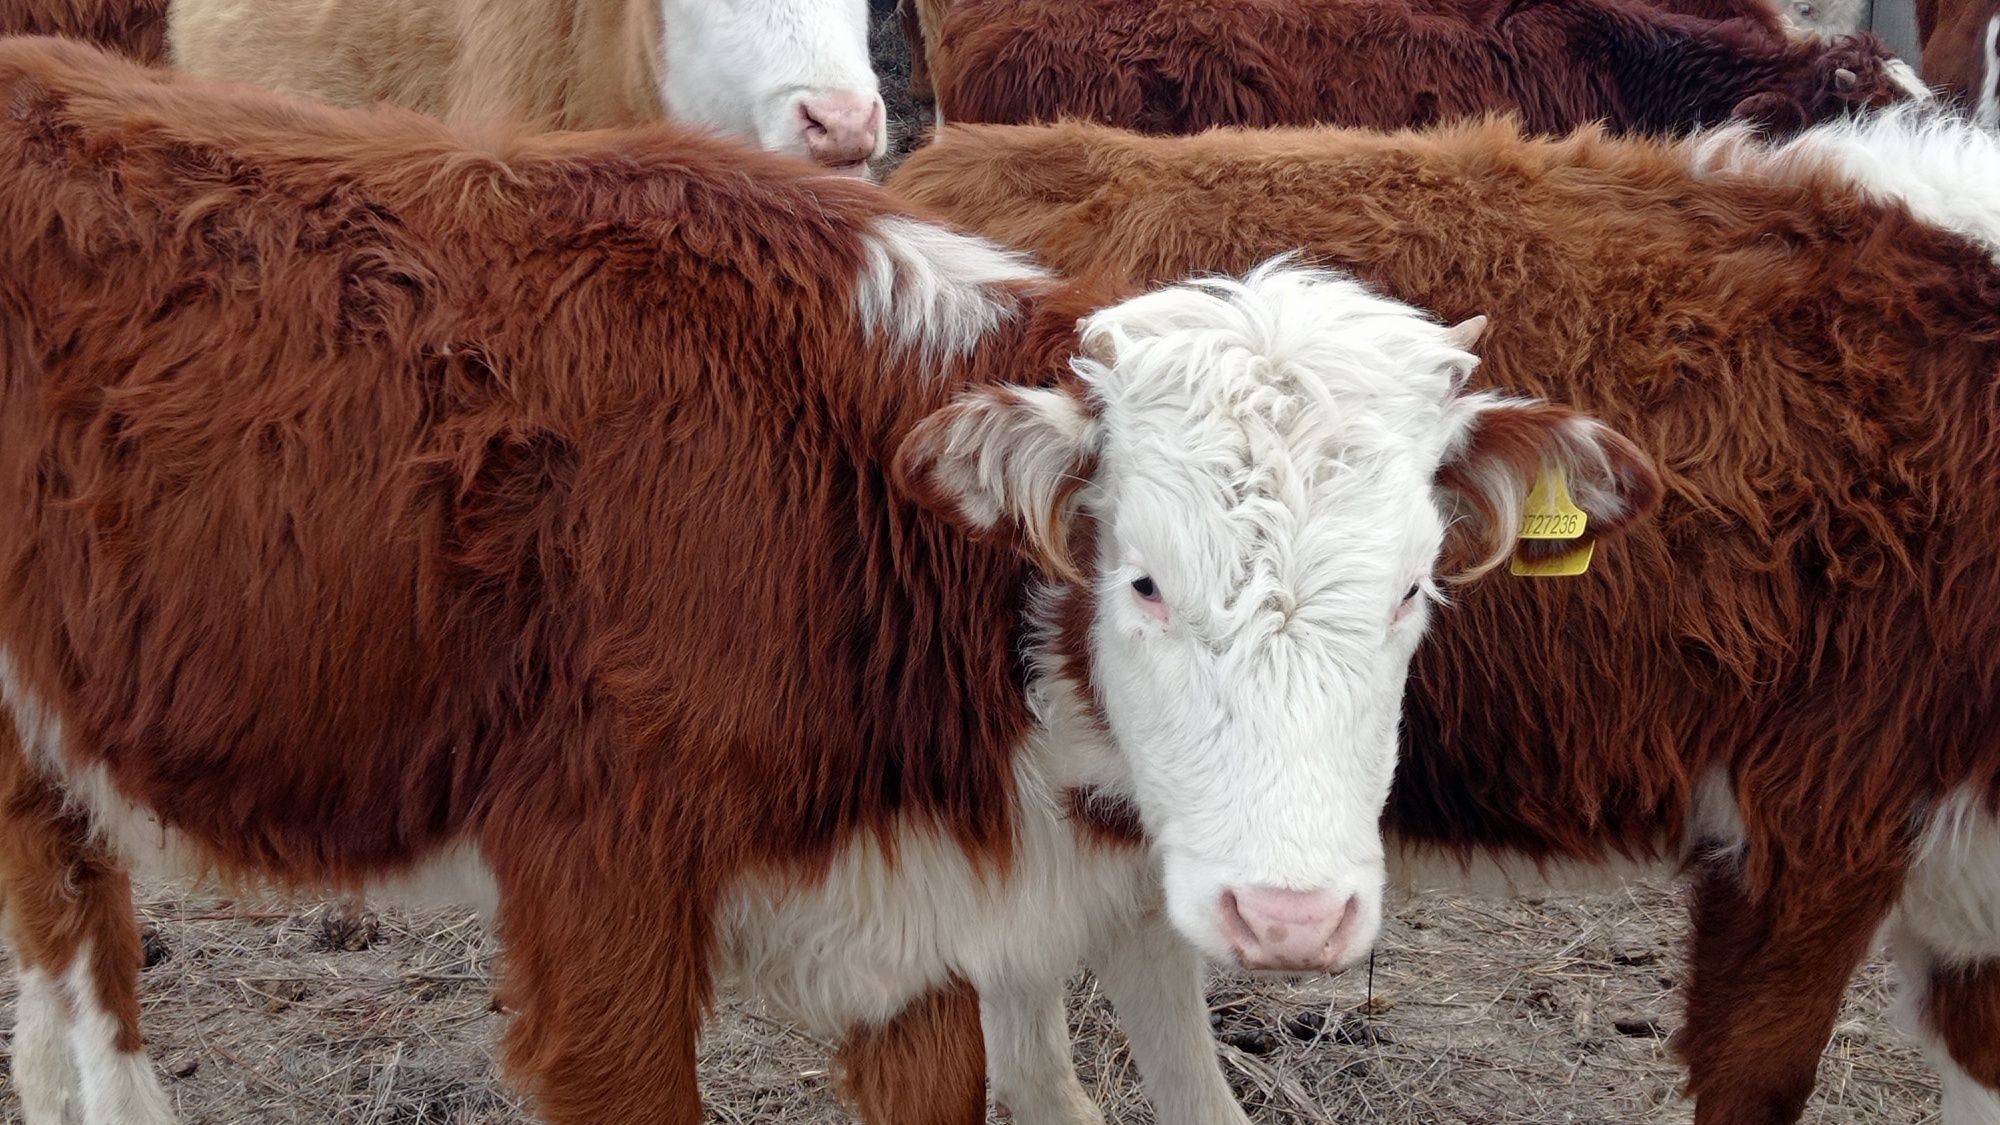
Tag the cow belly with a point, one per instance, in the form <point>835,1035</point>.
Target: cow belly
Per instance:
<point>1952,897</point>
<point>859,944</point>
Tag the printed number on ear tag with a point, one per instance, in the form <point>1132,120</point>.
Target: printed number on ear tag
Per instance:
<point>1550,514</point>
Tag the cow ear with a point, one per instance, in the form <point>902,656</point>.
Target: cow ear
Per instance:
<point>1506,446</point>
<point>1008,460</point>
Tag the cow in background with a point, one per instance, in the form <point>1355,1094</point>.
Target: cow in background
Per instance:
<point>792,75</point>
<point>1962,53</point>
<point>1788,684</point>
<point>1180,66</point>
<point>727,571</point>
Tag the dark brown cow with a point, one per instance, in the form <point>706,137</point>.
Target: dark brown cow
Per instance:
<point>1790,682</point>
<point>1962,53</point>
<point>721,568</point>
<point>1180,66</point>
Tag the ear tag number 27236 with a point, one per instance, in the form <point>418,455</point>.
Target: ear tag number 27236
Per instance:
<point>1551,514</point>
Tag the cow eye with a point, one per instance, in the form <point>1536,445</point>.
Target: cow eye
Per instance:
<point>1143,586</point>
<point>1416,591</point>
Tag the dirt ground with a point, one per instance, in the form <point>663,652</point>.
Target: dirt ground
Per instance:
<point>1539,1011</point>
<point>1530,1011</point>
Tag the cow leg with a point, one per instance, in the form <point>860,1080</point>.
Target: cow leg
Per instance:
<point>76,940</point>
<point>1154,979</point>
<point>1767,977</point>
<point>925,1067</point>
<point>605,971</point>
<point>1947,951</point>
<point>44,1078</point>
<point>1955,1010</point>
<point>1028,1051</point>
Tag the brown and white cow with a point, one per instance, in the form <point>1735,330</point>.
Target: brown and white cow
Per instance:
<point>727,571</point>
<point>1789,682</point>
<point>1180,66</point>
<point>792,75</point>
<point>921,20</point>
<point>1962,53</point>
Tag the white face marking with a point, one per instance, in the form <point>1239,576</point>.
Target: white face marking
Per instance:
<point>44,1077</point>
<point>1265,508</point>
<point>934,289</point>
<point>794,75</point>
<point>119,1087</point>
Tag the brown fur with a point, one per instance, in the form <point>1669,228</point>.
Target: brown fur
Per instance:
<point>62,896</point>
<point>559,64</point>
<point>1953,34</point>
<point>1181,66</point>
<point>1969,1024</point>
<point>1814,613</point>
<point>948,1087</point>
<point>590,556</point>
<point>134,28</point>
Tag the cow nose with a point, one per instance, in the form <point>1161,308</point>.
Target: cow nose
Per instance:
<point>1291,931</point>
<point>841,127</point>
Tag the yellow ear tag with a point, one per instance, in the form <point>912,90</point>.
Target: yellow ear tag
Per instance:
<point>1550,514</point>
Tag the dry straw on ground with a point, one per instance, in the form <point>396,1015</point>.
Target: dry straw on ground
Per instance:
<point>1531,1011</point>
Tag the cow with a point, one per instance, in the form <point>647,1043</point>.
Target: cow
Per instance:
<point>1961,56</point>
<point>791,75</point>
<point>920,21</point>
<point>1788,682</point>
<point>135,28</point>
<point>1180,66</point>
<point>727,572</point>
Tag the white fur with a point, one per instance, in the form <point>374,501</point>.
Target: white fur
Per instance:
<point>44,1078</point>
<point>936,290</point>
<point>1938,165</point>
<point>1905,76</point>
<point>744,66</point>
<point>1266,456</point>
<point>1154,979</point>
<point>1987,112</point>
<point>119,1087</point>
<point>1028,1058</point>
<point>1951,899</point>
<point>1008,452</point>
<point>858,945</point>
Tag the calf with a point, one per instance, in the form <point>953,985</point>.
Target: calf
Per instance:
<point>791,75</point>
<point>1186,65</point>
<point>1962,53</point>
<point>921,20</point>
<point>1789,683</point>
<point>726,572</point>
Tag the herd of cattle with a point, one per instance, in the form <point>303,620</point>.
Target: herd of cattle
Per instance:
<point>883,599</point>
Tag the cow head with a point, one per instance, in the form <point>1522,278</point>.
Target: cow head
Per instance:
<point>1265,474</point>
<point>792,74</point>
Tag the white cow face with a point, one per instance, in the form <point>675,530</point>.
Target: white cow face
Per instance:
<point>793,75</point>
<point>1272,469</point>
